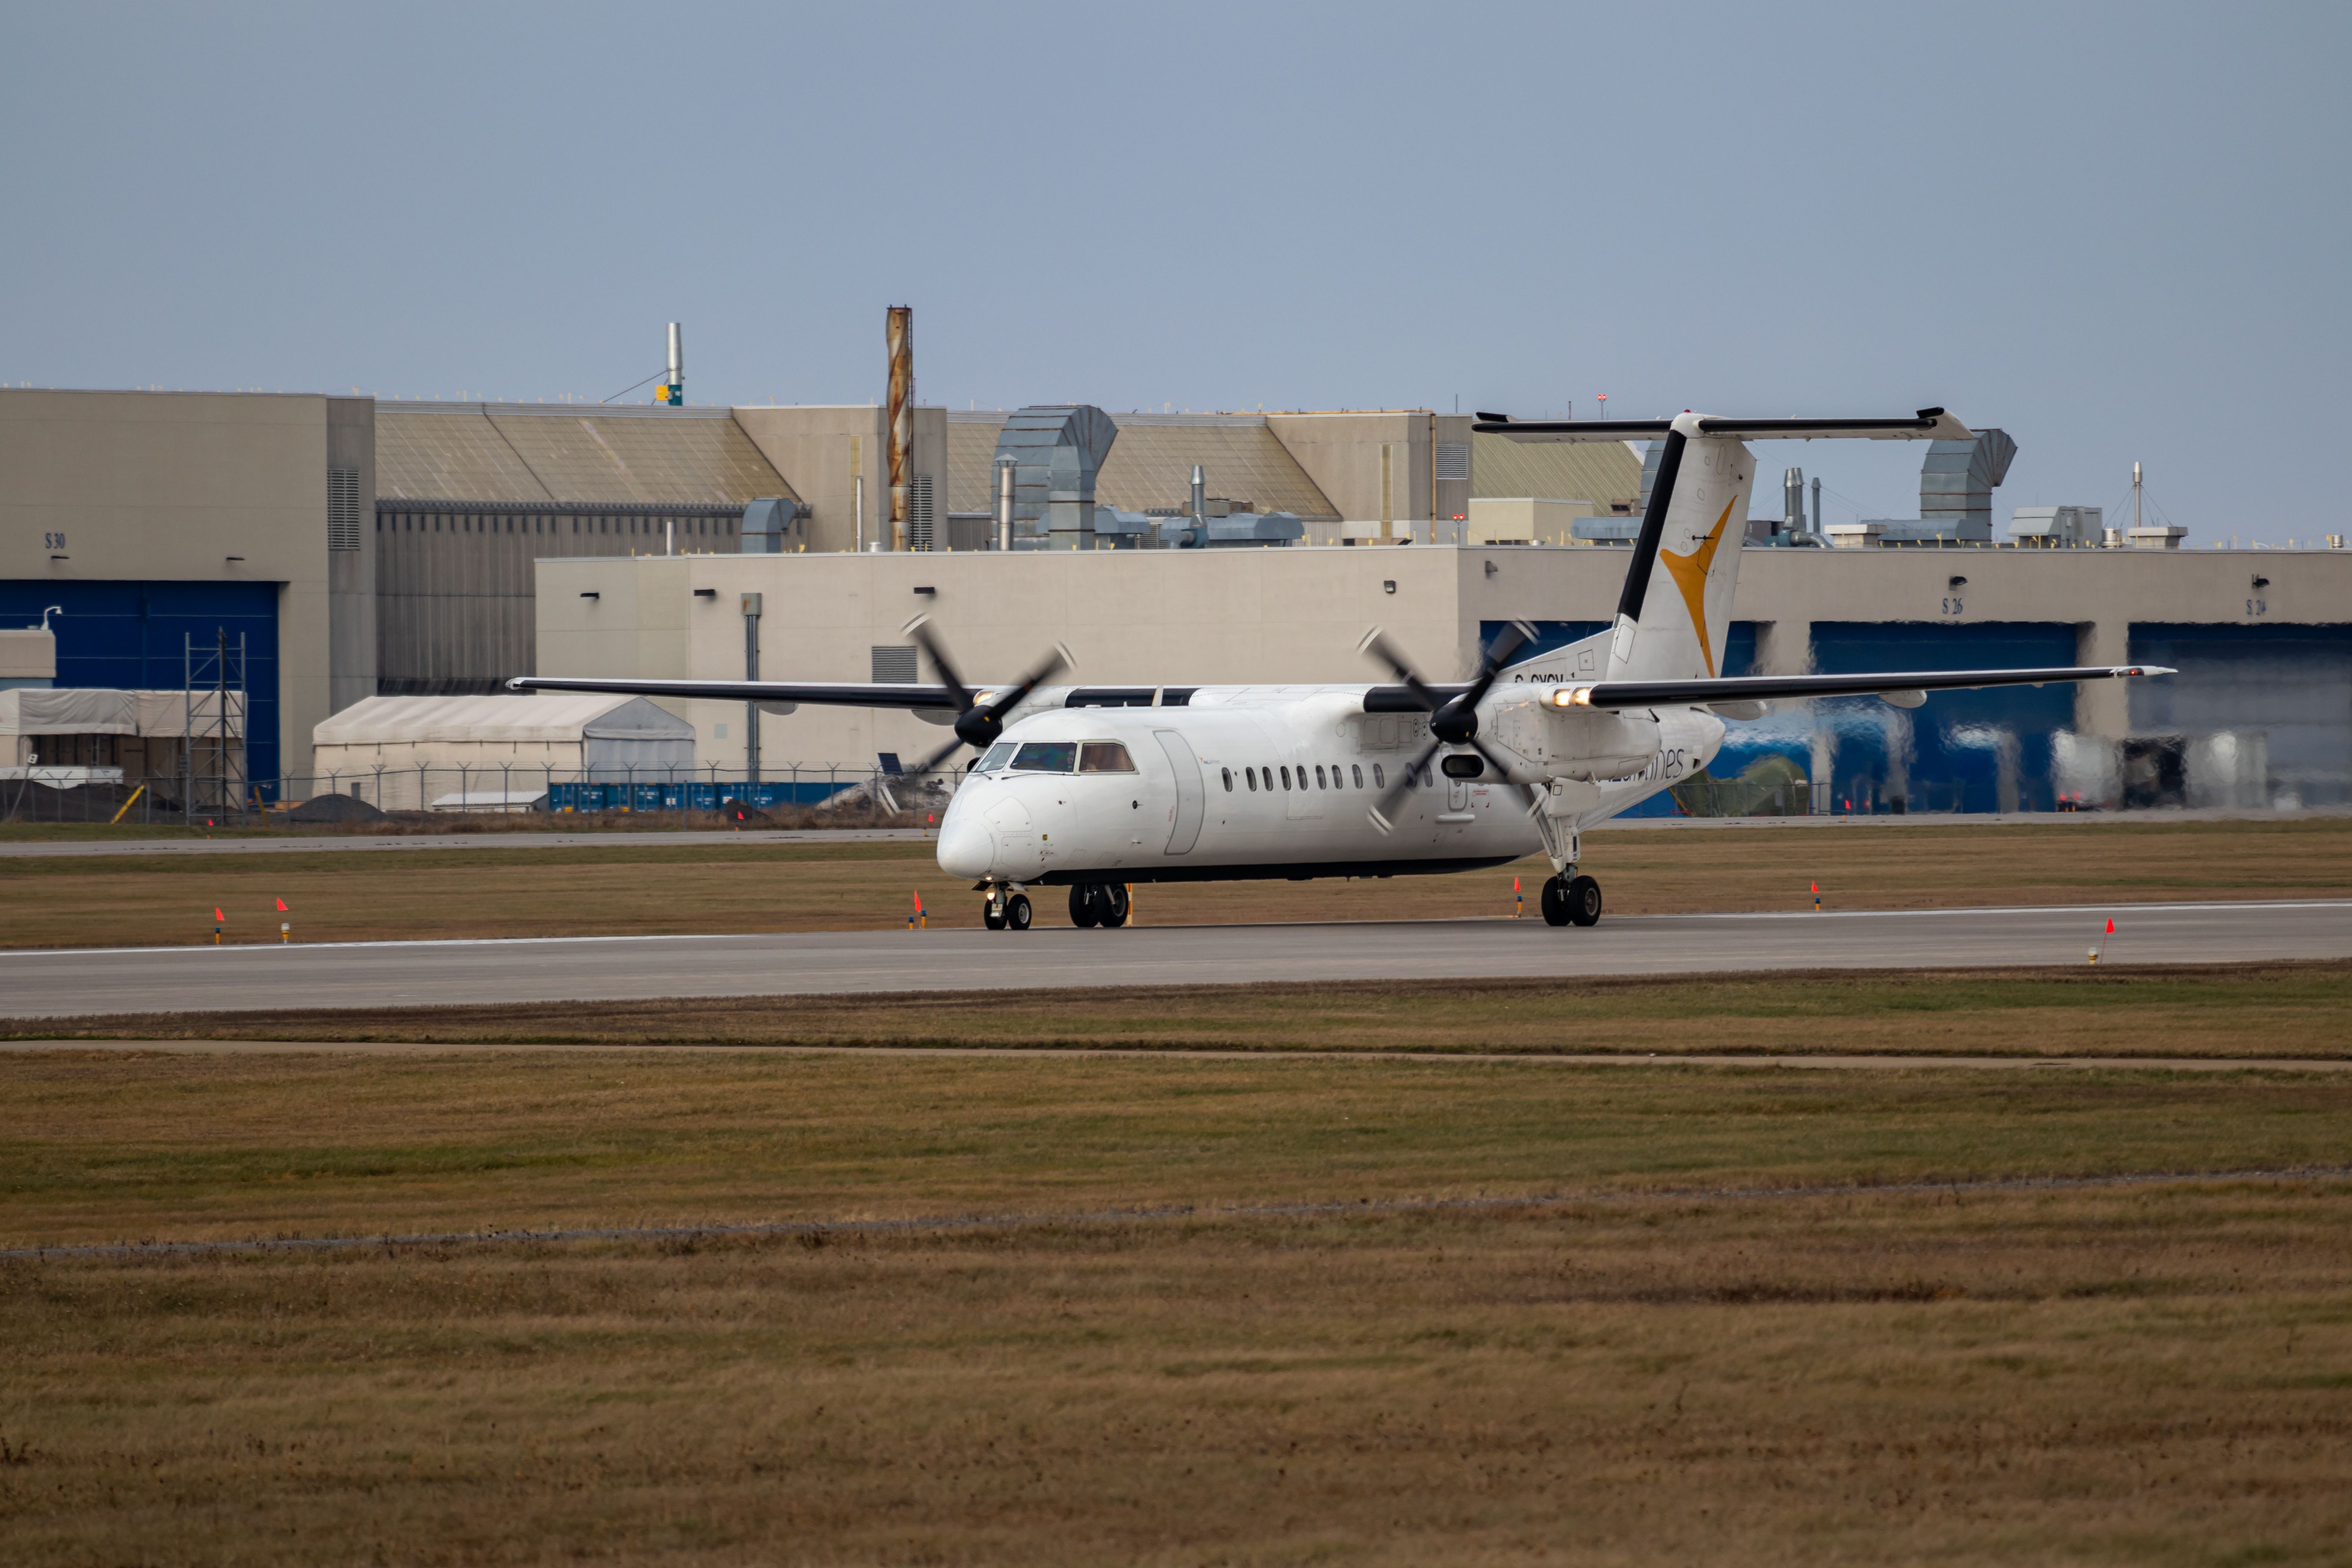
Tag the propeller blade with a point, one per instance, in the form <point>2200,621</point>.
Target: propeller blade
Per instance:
<point>1513,636</point>
<point>1057,659</point>
<point>1502,768</point>
<point>1383,811</point>
<point>931,764</point>
<point>919,628</point>
<point>1377,646</point>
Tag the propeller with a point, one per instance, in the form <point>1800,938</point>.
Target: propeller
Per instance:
<point>1452,721</point>
<point>977,723</point>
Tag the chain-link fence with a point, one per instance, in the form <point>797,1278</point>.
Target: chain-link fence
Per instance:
<point>785,794</point>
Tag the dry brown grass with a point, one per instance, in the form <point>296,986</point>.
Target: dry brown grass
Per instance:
<point>2301,1009</point>
<point>637,884</point>
<point>2153,1373</point>
<point>106,1146</point>
<point>2157,1376</point>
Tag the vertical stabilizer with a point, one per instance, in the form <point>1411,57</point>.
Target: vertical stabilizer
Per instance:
<point>1674,613</point>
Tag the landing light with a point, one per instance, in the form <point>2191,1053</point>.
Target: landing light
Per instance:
<point>1575,696</point>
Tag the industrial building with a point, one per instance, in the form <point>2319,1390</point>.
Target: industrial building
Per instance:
<point>334,550</point>
<point>2263,639</point>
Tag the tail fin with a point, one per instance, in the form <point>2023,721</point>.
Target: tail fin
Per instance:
<point>1675,629</point>
<point>1673,624</point>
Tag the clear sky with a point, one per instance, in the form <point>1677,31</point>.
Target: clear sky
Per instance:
<point>2118,232</point>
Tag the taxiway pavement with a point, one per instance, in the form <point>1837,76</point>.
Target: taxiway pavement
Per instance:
<point>67,984</point>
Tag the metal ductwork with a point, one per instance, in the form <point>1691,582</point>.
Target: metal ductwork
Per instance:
<point>1956,482</point>
<point>1055,452</point>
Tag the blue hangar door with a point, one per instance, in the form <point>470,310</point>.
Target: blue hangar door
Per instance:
<point>131,636</point>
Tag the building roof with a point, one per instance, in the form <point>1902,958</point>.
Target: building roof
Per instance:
<point>564,452</point>
<point>1602,472</point>
<point>556,716</point>
<point>1151,464</point>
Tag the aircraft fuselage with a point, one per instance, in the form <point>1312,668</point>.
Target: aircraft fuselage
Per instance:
<point>1258,781</point>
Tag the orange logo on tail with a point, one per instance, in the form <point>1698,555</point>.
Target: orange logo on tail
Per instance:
<point>1690,575</point>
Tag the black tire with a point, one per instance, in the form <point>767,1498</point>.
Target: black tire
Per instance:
<point>1112,911</point>
<point>1017,913</point>
<point>1082,906</point>
<point>1555,901</point>
<point>1584,902</point>
<point>992,915</point>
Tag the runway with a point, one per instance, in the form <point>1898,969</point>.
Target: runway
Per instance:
<point>52,984</point>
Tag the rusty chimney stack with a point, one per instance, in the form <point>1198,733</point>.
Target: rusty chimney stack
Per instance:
<point>901,334</point>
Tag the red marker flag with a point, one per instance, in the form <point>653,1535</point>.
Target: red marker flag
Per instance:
<point>2110,925</point>
<point>281,906</point>
<point>918,901</point>
<point>218,918</point>
<point>1515,884</point>
<point>1817,887</point>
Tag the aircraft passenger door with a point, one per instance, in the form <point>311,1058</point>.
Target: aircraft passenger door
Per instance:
<point>1190,795</point>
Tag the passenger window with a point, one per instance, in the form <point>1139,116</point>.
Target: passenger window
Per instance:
<point>1359,773</point>
<point>1286,776</point>
<point>1105,757</point>
<point>1318,777</point>
<point>1378,782</point>
<point>1046,757</point>
<point>998,755</point>
<point>1249,777</point>
<point>1229,779</point>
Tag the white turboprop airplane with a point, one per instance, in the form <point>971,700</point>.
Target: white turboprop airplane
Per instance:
<point>1096,788</point>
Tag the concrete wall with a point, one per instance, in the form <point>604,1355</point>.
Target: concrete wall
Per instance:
<point>1341,453</point>
<point>1128,616</point>
<point>171,486</point>
<point>1185,618</point>
<point>810,446</point>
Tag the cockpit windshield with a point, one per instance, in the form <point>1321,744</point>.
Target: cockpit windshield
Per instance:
<point>1105,757</point>
<point>998,756</point>
<point>1046,757</point>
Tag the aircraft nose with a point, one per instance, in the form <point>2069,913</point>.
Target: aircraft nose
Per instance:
<point>966,848</point>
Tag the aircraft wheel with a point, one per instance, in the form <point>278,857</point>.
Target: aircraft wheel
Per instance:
<point>1082,904</point>
<point>1017,913</point>
<point>1112,911</point>
<point>1555,901</point>
<point>1584,902</point>
<point>992,915</point>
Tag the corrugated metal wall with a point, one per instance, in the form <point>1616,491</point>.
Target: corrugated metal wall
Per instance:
<point>456,602</point>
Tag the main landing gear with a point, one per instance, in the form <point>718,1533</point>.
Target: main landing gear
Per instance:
<point>1571,900</point>
<point>1002,912</point>
<point>1097,904</point>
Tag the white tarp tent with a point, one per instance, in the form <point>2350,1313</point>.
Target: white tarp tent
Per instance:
<point>59,722</point>
<point>406,752</point>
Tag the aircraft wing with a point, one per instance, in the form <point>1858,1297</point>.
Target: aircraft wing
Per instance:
<point>1893,685</point>
<point>838,693</point>
<point>1928,425</point>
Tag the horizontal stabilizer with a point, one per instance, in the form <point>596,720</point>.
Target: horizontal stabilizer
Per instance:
<point>1783,687</point>
<point>1928,425</point>
<point>838,693</point>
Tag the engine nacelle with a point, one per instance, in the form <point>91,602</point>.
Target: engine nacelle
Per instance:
<point>1587,743</point>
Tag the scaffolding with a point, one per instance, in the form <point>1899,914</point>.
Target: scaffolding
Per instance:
<point>211,756</point>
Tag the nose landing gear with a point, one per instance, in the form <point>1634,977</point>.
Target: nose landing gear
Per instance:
<point>1005,912</point>
<point>1571,900</point>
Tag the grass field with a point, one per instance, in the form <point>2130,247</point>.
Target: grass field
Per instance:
<point>2263,1010</point>
<point>638,884</point>
<point>1629,1371</point>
